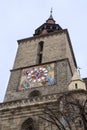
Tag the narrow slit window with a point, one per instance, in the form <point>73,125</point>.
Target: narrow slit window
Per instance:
<point>76,86</point>
<point>40,58</point>
<point>40,52</point>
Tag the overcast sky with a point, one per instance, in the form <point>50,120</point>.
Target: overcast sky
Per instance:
<point>19,19</point>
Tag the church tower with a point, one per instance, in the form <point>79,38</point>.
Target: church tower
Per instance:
<point>44,63</point>
<point>43,67</point>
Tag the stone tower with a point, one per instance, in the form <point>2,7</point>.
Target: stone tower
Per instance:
<point>43,68</point>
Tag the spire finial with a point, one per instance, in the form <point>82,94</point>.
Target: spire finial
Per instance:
<point>50,19</point>
<point>51,11</point>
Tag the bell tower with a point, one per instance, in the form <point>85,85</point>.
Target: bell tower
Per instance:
<point>44,63</point>
<point>42,70</point>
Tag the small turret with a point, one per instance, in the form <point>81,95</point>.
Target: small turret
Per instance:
<point>48,27</point>
<point>76,82</point>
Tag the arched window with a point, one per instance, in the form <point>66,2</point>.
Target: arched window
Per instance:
<point>76,86</point>
<point>28,124</point>
<point>34,94</point>
<point>40,52</point>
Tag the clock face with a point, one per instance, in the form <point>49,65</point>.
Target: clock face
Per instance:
<point>37,76</point>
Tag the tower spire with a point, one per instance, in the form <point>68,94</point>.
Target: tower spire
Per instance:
<point>51,11</point>
<point>50,19</point>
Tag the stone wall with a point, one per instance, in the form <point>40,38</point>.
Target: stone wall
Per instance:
<point>15,113</point>
<point>56,49</point>
<point>62,76</point>
<point>57,46</point>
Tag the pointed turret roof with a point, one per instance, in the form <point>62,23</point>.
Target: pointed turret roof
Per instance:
<point>76,76</point>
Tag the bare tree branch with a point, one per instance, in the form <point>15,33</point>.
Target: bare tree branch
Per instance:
<point>69,112</point>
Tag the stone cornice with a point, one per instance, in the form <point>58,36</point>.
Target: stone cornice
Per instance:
<point>47,99</point>
<point>20,68</point>
<point>27,102</point>
<point>41,36</point>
